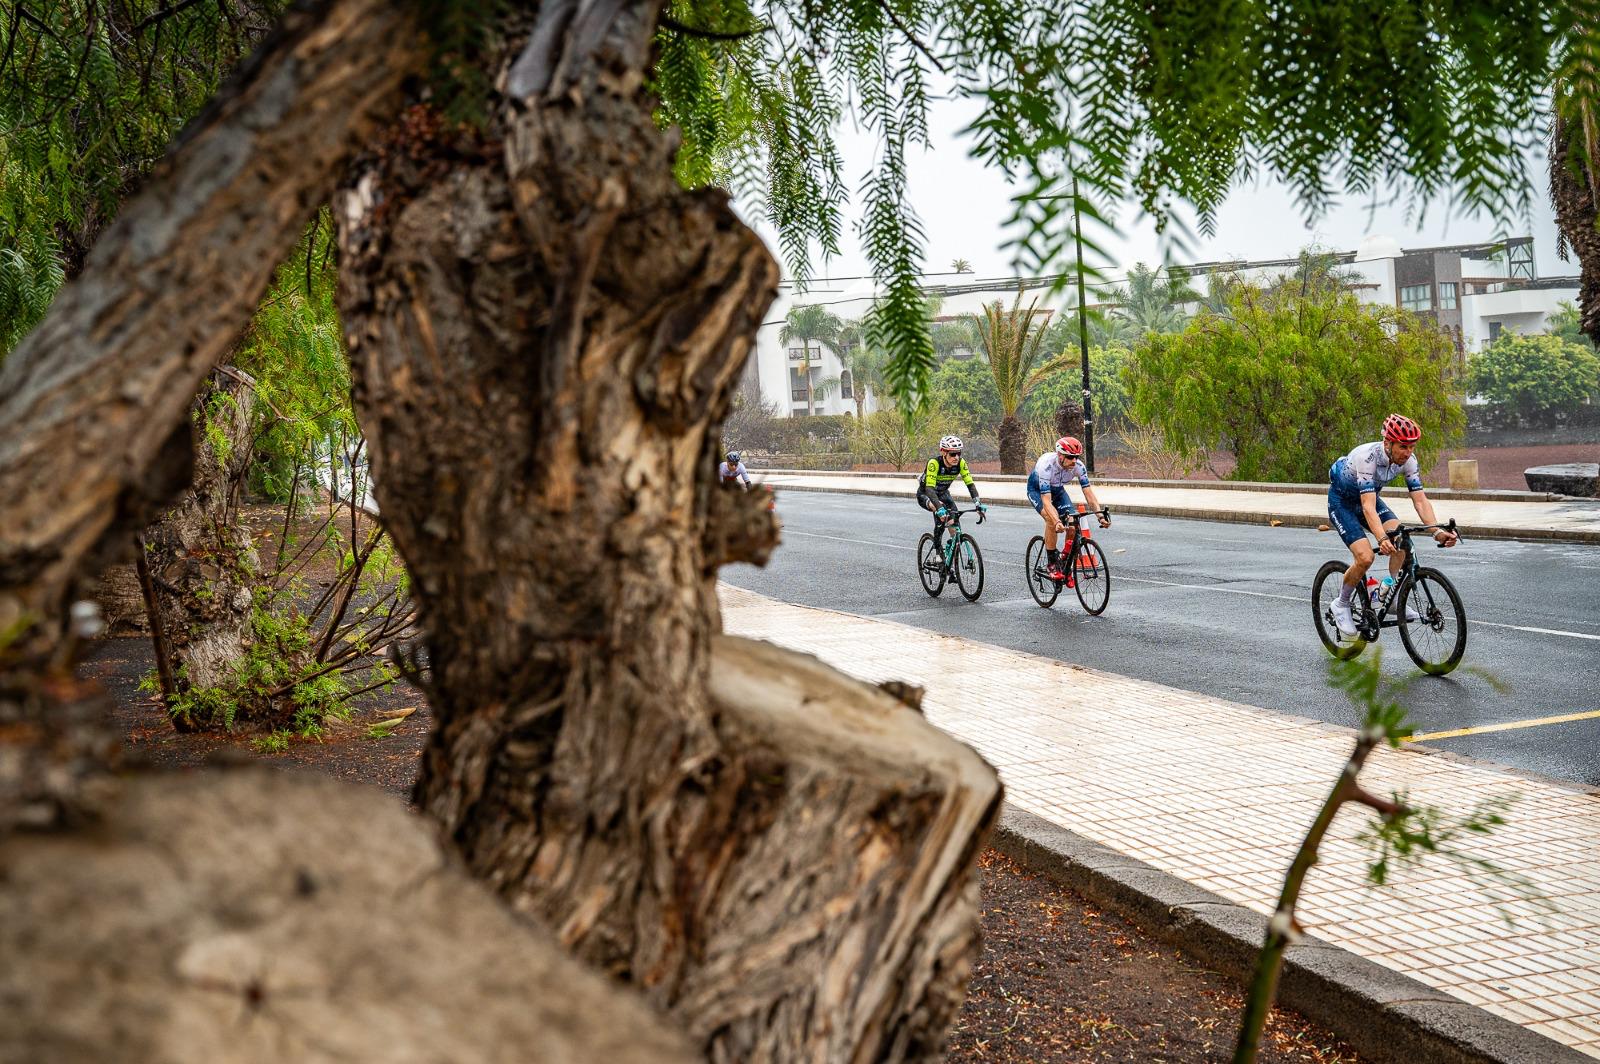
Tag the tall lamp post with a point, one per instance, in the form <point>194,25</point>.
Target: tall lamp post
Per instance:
<point>1083,331</point>
<point>1083,328</point>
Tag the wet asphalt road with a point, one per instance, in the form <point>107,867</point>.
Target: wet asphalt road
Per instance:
<point>1224,609</point>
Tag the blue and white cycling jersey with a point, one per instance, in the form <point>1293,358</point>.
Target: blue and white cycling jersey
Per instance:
<point>1053,474</point>
<point>1367,468</point>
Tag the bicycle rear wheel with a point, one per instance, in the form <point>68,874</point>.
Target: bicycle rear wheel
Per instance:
<point>929,565</point>
<point>1437,639</point>
<point>1324,593</point>
<point>969,568</point>
<point>1091,577</point>
<point>1043,589</point>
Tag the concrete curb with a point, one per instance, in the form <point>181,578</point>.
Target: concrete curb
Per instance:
<point>1385,1015</point>
<point>1236,517</point>
<point>1442,494</point>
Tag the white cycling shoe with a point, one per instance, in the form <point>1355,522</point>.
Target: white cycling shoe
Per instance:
<point>1412,616</point>
<point>1344,618</point>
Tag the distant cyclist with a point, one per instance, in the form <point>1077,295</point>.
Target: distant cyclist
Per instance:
<point>1355,507</point>
<point>732,471</point>
<point>1047,490</point>
<point>933,488</point>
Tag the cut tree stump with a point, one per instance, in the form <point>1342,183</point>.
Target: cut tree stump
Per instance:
<point>840,917</point>
<point>255,915</point>
<point>1579,479</point>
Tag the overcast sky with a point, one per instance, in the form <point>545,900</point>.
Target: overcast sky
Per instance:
<point>964,206</point>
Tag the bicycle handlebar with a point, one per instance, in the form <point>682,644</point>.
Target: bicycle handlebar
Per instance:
<point>958,511</point>
<point>1449,527</point>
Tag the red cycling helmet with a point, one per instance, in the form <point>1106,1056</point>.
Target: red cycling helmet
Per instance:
<point>1069,447</point>
<point>1397,428</point>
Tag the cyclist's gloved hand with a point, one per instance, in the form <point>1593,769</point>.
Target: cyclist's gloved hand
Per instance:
<point>941,512</point>
<point>983,507</point>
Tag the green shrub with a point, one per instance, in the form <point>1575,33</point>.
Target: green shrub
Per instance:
<point>1289,379</point>
<point>1538,378</point>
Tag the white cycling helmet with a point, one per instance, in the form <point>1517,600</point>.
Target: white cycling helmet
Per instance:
<point>951,443</point>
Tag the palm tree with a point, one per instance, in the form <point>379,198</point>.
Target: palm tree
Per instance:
<point>864,361</point>
<point>960,265</point>
<point>1150,301</point>
<point>811,325</point>
<point>1013,340</point>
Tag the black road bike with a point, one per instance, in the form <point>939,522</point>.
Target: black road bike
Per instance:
<point>961,559</point>
<point>1423,604</point>
<point>1083,565</point>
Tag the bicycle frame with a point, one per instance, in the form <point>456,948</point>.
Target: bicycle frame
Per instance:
<point>1070,561</point>
<point>1408,573</point>
<point>953,533</point>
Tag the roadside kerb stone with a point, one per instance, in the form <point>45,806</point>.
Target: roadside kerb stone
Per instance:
<point>1385,1015</point>
<point>1227,516</point>
<point>1440,493</point>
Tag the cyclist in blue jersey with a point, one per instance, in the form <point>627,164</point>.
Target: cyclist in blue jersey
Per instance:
<point>933,486</point>
<point>1048,492</point>
<point>1355,507</point>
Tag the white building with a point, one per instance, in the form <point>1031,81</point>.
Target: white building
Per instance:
<point>1472,292</point>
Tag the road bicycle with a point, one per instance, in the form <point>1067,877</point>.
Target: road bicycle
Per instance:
<point>961,559</point>
<point>1437,637</point>
<point>1083,565</point>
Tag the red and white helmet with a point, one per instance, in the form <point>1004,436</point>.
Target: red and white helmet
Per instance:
<point>951,443</point>
<point>1069,447</point>
<point>1397,428</point>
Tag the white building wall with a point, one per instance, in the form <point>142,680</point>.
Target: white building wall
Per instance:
<point>1519,310</point>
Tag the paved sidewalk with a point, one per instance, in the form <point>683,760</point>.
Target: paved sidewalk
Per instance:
<point>1565,520</point>
<point>1220,794</point>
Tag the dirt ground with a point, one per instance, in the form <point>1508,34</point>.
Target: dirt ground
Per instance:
<point>1058,980</point>
<point>1498,467</point>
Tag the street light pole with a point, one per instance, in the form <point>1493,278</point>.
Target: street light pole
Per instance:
<point>1083,331</point>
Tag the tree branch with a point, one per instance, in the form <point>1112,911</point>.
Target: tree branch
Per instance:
<point>158,17</point>
<point>711,35</point>
<point>903,28</point>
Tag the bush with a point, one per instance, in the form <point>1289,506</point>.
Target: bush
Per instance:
<point>886,436</point>
<point>964,390</point>
<point>790,435</point>
<point>1287,380</point>
<point>1106,389</point>
<point>1536,378</point>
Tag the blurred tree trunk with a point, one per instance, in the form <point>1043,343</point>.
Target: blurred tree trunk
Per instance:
<point>545,333</point>
<point>1574,194</point>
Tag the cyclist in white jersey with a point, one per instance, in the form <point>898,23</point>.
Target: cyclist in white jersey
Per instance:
<point>1355,507</point>
<point>1047,490</point>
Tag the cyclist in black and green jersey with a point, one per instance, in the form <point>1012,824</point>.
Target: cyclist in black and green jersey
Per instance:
<point>933,487</point>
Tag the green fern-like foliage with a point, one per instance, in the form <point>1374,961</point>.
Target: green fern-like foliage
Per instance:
<point>1089,103</point>
<point>91,95</point>
<point>295,352</point>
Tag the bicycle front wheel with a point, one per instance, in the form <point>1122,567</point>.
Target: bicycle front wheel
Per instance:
<point>929,565</point>
<point>1043,589</point>
<point>1437,638</point>
<point>969,568</point>
<point>1324,593</point>
<point>1091,576</point>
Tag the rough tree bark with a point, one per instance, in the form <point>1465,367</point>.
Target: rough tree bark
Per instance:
<point>255,916</point>
<point>200,557</point>
<point>1069,419</point>
<point>1574,195</point>
<point>545,332</point>
<point>95,399</point>
<point>1013,445</point>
